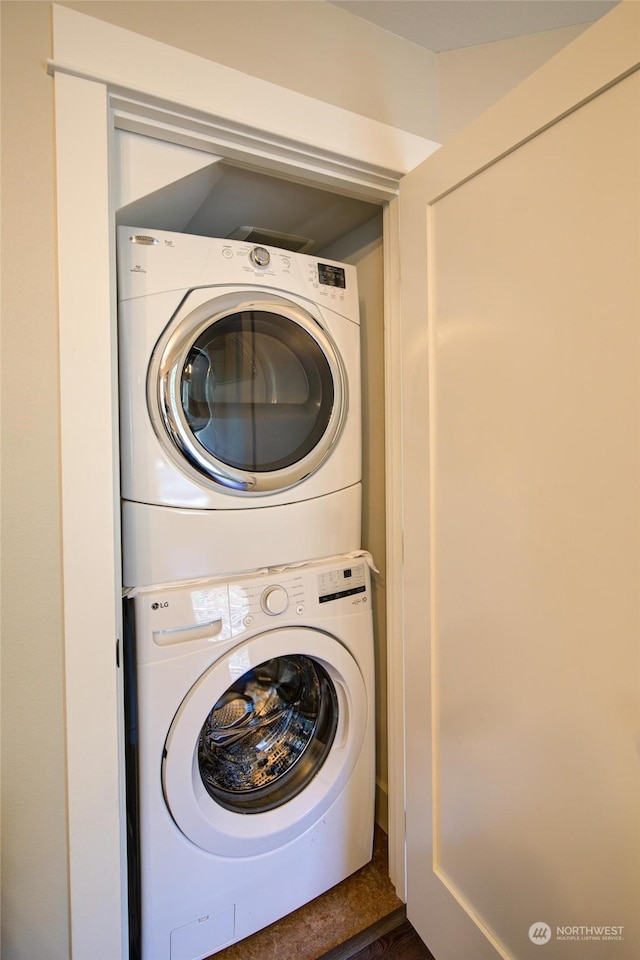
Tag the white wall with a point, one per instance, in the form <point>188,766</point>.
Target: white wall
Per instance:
<point>305,45</point>
<point>354,64</point>
<point>34,858</point>
<point>473,78</point>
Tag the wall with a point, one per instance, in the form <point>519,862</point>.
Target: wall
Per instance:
<point>353,64</point>
<point>372,71</point>
<point>34,858</point>
<point>473,78</point>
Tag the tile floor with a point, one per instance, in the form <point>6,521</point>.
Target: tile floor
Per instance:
<point>340,913</point>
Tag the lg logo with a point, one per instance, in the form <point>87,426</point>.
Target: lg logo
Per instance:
<point>160,606</point>
<point>539,933</point>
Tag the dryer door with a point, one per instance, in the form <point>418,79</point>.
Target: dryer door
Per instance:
<point>264,742</point>
<point>248,391</point>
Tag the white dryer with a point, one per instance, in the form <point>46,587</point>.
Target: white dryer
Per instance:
<point>252,736</point>
<point>240,406</point>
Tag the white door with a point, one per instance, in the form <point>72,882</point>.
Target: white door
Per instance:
<point>521,323</point>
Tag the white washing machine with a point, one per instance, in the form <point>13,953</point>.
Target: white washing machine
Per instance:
<point>252,738</point>
<point>240,406</point>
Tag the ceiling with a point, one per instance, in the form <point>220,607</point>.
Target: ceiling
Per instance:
<point>440,25</point>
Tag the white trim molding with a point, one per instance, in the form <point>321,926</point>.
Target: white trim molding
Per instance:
<point>235,103</point>
<point>90,525</point>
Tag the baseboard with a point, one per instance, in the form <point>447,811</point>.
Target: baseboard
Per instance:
<point>352,946</point>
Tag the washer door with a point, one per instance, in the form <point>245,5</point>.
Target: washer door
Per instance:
<point>264,742</point>
<point>249,394</point>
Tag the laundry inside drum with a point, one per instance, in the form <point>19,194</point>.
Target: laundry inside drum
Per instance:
<point>268,734</point>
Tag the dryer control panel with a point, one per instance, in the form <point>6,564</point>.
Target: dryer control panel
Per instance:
<point>155,261</point>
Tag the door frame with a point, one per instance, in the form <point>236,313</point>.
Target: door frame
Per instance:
<point>105,78</point>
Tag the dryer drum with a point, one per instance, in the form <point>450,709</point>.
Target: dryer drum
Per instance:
<point>268,735</point>
<point>257,391</point>
<point>250,395</point>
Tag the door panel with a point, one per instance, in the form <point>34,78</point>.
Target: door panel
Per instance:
<point>522,464</point>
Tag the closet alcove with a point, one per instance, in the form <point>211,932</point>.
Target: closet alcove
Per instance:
<point>165,186</point>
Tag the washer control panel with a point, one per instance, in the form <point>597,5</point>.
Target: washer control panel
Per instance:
<point>260,601</point>
<point>346,582</point>
<point>219,611</point>
<point>298,594</point>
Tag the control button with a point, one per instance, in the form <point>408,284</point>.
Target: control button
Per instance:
<point>227,252</point>
<point>274,600</point>
<point>248,620</point>
<point>260,256</point>
<point>300,608</point>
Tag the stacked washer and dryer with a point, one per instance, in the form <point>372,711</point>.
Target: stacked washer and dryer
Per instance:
<point>250,687</point>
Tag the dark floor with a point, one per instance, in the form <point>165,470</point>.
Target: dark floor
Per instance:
<point>331,920</point>
<point>401,942</point>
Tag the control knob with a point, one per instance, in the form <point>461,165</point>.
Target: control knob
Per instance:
<point>274,600</point>
<point>260,256</point>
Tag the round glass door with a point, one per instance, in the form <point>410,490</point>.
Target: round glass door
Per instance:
<point>252,395</point>
<point>265,741</point>
<point>268,734</point>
